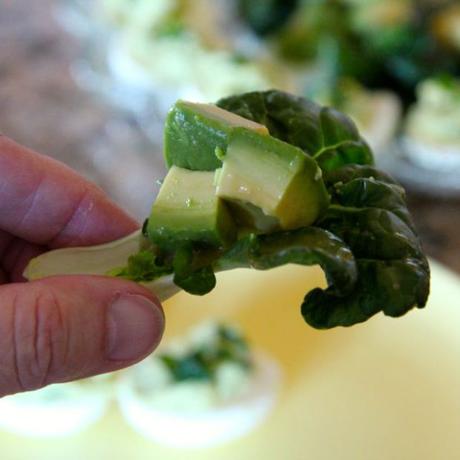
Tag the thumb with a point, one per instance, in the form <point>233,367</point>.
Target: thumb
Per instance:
<point>69,327</point>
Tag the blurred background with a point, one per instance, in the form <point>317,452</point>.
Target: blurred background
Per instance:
<point>89,82</point>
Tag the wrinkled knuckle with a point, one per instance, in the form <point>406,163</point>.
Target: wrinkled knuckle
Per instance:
<point>39,338</point>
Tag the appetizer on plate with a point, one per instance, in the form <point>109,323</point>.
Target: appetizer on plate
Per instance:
<point>200,390</point>
<point>57,410</point>
<point>261,180</point>
<point>432,132</point>
<point>177,48</point>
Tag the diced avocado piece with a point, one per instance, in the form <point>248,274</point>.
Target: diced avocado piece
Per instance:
<point>187,209</point>
<point>195,132</point>
<point>273,175</point>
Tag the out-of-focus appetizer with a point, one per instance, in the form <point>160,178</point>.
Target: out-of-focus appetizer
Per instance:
<point>186,49</point>
<point>57,410</point>
<point>432,132</point>
<point>200,390</point>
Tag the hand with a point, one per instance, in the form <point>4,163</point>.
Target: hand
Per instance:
<point>63,328</point>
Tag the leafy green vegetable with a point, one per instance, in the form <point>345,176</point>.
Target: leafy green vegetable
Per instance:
<point>368,212</point>
<point>365,242</point>
<point>370,215</point>
<point>327,135</point>
<point>191,267</point>
<point>367,187</point>
<point>305,246</point>
<point>348,173</point>
<point>192,270</point>
<point>146,265</point>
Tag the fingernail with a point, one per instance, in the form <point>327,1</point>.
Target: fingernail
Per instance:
<point>134,327</point>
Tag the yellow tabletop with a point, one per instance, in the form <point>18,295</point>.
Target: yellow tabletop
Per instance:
<point>385,390</point>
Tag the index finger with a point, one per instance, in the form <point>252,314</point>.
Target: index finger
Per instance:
<point>45,202</point>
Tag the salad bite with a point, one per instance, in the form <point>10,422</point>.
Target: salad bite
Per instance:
<point>260,180</point>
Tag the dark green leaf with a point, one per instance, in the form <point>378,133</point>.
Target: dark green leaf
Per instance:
<point>348,173</point>
<point>368,192</point>
<point>323,133</point>
<point>306,246</point>
<point>393,287</point>
<point>198,282</point>
<point>372,232</point>
<point>192,271</point>
<point>370,215</point>
<point>143,266</point>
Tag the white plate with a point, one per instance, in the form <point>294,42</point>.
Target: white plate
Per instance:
<point>413,175</point>
<point>54,411</point>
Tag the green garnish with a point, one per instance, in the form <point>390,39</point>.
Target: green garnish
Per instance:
<point>201,362</point>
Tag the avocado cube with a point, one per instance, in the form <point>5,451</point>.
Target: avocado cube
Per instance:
<point>194,133</point>
<point>187,209</point>
<point>274,176</point>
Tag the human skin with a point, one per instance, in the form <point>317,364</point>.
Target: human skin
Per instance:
<point>63,328</point>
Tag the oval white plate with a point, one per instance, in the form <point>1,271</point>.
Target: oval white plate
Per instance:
<point>49,415</point>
